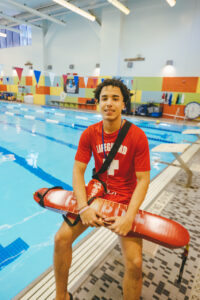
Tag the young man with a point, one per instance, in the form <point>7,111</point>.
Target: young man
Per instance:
<point>127,181</point>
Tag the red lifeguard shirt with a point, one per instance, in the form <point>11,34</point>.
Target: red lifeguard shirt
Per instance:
<point>132,156</point>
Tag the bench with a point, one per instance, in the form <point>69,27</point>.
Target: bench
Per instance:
<point>68,103</point>
<point>175,149</point>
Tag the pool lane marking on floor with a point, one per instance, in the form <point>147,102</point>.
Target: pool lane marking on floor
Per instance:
<point>12,251</point>
<point>80,127</point>
<point>36,171</point>
<point>72,146</point>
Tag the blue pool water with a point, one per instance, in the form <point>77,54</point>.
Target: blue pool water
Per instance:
<point>37,153</point>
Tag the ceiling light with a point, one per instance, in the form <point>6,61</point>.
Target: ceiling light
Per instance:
<point>3,34</point>
<point>75,9</point>
<point>171,2</point>
<point>120,6</point>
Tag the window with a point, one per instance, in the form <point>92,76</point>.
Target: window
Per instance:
<point>15,39</point>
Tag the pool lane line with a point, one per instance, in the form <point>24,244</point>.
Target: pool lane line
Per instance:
<point>36,171</point>
<point>73,125</point>
<point>82,127</point>
<point>72,146</point>
<point>136,123</point>
<point>39,111</point>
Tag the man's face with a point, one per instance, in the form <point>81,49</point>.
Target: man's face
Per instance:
<point>111,102</point>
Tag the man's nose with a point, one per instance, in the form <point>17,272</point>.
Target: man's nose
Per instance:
<point>109,101</point>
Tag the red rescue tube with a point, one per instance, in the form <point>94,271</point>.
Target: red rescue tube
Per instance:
<point>151,227</point>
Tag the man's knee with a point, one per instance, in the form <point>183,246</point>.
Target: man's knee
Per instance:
<point>134,267</point>
<point>63,239</point>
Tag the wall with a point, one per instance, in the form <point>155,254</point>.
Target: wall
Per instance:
<point>77,43</point>
<point>159,32</point>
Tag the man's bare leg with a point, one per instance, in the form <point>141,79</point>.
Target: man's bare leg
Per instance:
<point>132,254</point>
<point>63,256</point>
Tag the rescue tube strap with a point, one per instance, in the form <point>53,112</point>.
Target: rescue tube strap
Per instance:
<point>71,224</point>
<point>41,197</point>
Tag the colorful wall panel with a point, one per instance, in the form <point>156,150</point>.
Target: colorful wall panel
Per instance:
<point>43,90</point>
<point>89,93</point>
<point>180,84</point>
<point>191,97</point>
<point>81,83</point>
<point>137,95</point>
<point>22,81</point>
<point>13,88</point>
<point>92,82</point>
<point>71,99</point>
<point>3,87</point>
<point>56,91</point>
<point>151,97</point>
<point>173,110</point>
<point>198,86</point>
<point>39,99</point>
<point>81,93</point>
<point>29,80</point>
<point>147,83</point>
<point>15,80</point>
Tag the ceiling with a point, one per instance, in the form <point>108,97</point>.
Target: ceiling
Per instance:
<point>15,12</point>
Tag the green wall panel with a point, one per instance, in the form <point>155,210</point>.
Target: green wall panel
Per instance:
<point>32,90</point>
<point>147,83</point>
<point>191,97</point>
<point>15,80</point>
<point>89,93</point>
<point>22,81</point>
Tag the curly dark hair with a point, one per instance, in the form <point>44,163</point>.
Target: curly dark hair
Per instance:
<point>114,82</point>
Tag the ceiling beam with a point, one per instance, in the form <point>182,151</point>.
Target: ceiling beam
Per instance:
<point>89,6</point>
<point>35,12</point>
<point>17,21</point>
<point>10,28</point>
<point>96,19</point>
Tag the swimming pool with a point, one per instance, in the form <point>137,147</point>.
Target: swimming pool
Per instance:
<point>37,149</point>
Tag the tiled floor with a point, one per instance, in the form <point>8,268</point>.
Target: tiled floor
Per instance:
<point>160,271</point>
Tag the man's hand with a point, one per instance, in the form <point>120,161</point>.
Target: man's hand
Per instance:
<point>90,217</point>
<point>120,225</point>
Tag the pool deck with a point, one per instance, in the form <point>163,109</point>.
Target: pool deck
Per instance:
<point>97,267</point>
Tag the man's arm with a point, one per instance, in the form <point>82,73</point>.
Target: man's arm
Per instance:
<point>79,183</point>
<point>122,225</point>
<point>89,217</point>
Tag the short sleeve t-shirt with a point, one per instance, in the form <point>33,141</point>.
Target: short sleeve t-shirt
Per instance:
<point>132,157</point>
